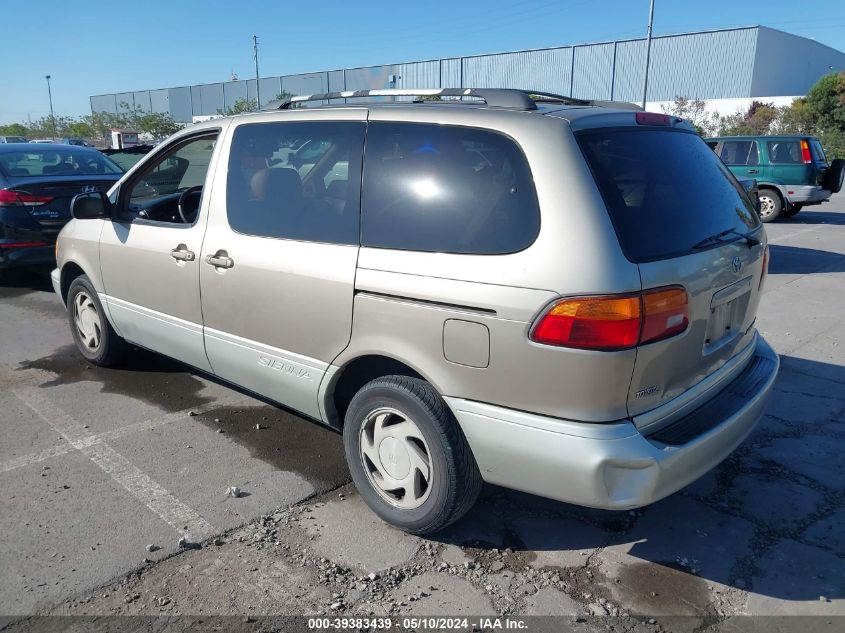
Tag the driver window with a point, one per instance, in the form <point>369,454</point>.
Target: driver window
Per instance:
<point>169,189</point>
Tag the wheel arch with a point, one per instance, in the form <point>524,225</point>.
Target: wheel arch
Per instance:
<point>70,271</point>
<point>344,382</point>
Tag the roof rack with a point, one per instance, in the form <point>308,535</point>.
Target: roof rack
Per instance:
<point>493,97</point>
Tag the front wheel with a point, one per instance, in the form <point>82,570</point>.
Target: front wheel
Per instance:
<point>407,455</point>
<point>771,206</point>
<point>94,336</point>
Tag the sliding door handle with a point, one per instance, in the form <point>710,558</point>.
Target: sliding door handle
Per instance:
<point>220,259</point>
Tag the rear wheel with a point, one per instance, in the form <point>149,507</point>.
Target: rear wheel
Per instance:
<point>771,206</point>
<point>94,336</point>
<point>407,455</point>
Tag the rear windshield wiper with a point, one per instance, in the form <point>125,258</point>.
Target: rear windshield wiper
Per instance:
<point>718,237</point>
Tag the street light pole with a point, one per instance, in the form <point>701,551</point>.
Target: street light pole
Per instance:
<point>257,88</point>
<point>648,49</point>
<point>52,116</point>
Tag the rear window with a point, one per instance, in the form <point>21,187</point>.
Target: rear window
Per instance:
<point>52,162</point>
<point>446,189</point>
<point>784,152</point>
<point>665,190</point>
<point>818,151</point>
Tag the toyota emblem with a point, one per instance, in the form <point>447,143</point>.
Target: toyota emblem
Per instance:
<point>736,264</point>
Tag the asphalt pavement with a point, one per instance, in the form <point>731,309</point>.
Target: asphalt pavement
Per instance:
<point>96,465</point>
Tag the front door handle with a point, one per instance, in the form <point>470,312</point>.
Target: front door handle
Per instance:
<point>753,171</point>
<point>220,259</point>
<point>181,253</point>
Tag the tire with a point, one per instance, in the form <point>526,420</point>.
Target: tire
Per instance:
<point>771,205</point>
<point>834,176</point>
<point>794,209</point>
<point>417,431</point>
<point>92,333</point>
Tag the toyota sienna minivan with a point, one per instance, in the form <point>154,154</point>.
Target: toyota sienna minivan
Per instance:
<point>553,295</point>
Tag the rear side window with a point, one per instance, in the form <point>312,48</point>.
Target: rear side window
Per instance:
<point>298,181</point>
<point>446,189</point>
<point>739,153</point>
<point>665,190</point>
<point>784,152</point>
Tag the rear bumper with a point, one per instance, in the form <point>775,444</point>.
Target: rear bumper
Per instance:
<point>21,256</point>
<point>806,194</point>
<point>611,466</point>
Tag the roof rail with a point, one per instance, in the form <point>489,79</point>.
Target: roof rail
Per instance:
<point>494,97</point>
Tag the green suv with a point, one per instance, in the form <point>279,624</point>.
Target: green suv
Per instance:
<point>791,171</point>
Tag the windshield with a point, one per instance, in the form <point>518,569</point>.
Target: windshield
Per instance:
<point>666,190</point>
<point>56,162</point>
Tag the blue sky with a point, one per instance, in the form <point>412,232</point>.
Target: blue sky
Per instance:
<point>96,47</point>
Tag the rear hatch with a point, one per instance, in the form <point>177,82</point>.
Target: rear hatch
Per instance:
<point>680,216</point>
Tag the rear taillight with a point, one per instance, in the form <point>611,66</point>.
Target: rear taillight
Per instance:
<point>805,152</point>
<point>614,322</point>
<point>765,267</point>
<point>12,198</point>
<point>665,313</point>
<point>652,118</point>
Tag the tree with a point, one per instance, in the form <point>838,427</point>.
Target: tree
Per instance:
<point>14,129</point>
<point>239,107</point>
<point>694,111</point>
<point>795,118</point>
<point>826,103</point>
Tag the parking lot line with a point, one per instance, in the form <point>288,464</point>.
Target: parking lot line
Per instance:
<point>137,427</point>
<point>149,492</point>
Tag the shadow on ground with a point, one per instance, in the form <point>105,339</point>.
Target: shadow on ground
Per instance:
<point>815,217</point>
<point>14,283</point>
<point>793,260</point>
<point>765,520</point>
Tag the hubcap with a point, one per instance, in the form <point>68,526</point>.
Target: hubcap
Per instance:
<point>87,321</point>
<point>396,458</point>
<point>767,206</point>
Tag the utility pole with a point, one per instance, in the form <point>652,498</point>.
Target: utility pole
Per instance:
<point>52,116</point>
<point>257,88</point>
<point>648,49</point>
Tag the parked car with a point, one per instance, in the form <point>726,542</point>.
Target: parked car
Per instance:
<point>792,172</point>
<point>81,142</point>
<point>127,157</point>
<point>37,183</point>
<point>12,139</point>
<point>43,140</point>
<point>504,291</point>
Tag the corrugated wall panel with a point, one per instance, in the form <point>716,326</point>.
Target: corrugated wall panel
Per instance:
<point>233,91</point>
<point>269,88</point>
<point>630,71</point>
<point>543,70</point>
<point>160,100</point>
<point>211,96</point>
<point>593,71</point>
<point>336,81</point>
<point>104,103</point>
<point>450,76</point>
<point>702,65</point>
<point>142,100</point>
<point>368,78</point>
<point>304,84</point>
<point>180,103</point>
<point>418,75</point>
<point>125,101</point>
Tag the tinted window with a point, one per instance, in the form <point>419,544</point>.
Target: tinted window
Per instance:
<point>818,152</point>
<point>446,189</point>
<point>784,152</point>
<point>52,162</point>
<point>739,152</point>
<point>665,190</point>
<point>297,181</point>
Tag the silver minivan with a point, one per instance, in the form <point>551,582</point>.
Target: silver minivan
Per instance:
<point>552,295</point>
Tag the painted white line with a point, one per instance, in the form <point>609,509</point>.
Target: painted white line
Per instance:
<point>137,427</point>
<point>178,515</point>
<point>781,238</point>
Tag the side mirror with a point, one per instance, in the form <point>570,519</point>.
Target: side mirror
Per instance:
<point>751,190</point>
<point>91,206</point>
